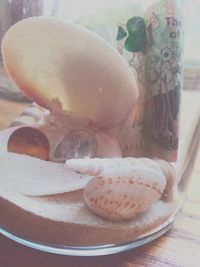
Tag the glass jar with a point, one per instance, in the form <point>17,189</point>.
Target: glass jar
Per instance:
<point>109,107</point>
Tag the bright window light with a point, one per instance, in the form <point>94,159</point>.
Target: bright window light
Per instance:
<point>72,9</point>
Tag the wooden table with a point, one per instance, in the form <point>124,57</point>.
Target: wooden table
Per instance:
<point>179,247</point>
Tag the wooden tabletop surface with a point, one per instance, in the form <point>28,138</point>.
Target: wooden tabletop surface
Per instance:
<point>179,247</point>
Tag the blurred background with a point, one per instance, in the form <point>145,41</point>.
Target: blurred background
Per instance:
<point>12,11</point>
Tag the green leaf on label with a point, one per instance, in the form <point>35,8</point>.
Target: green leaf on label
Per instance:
<point>136,41</point>
<point>121,33</point>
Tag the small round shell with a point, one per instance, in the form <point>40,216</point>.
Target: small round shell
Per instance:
<point>122,193</point>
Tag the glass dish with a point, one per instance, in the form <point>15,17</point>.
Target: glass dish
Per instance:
<point>82,140</point>
<point>94,250</point>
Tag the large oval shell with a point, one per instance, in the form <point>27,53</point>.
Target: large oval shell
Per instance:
<point>123,193</point>
<point>63,64</point>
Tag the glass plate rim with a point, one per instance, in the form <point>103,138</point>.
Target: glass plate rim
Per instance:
<point>100,250</point>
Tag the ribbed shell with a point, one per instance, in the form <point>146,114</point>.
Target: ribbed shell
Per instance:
<point>122,193</point>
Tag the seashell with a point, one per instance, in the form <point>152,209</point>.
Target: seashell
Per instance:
<point>34,112</point>
<point>75,144</point>
<point>97,165</point>
<point>134,161</point>
<point>150,163</point>
<point>39,177</point>
<point>170,174</point>
<point>23,120</point>
<point>26,140</point>
<point>65,66</point>
<point>94,166</point>
<point>124,192</point>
